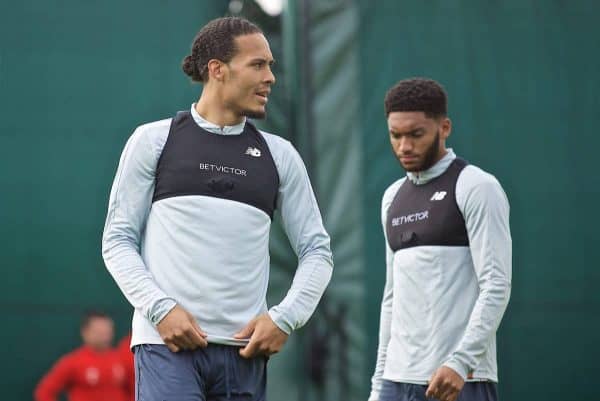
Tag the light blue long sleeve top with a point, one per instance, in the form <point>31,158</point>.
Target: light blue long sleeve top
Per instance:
<point>209,255</point>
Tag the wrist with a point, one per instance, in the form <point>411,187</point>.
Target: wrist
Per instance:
<point>458,367</point>
<point>280,322</point>
<point>161,309</point>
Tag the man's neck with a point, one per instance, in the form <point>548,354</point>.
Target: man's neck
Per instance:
<point>211,108</point>
<point>422,177</point>
<point>96,349</point>
<point>440,155</point>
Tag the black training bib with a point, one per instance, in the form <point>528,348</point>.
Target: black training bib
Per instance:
<point>427,214</point>
<point>235,167</point>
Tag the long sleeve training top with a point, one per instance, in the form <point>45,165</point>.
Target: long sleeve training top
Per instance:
<point>442,304</point>
<point>209,254</point>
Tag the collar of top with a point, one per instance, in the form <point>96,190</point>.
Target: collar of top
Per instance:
<point>423,177</point>
<point>214,128</point>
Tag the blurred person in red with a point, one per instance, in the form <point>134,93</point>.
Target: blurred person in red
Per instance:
<point>93,372</point>
<point>124,348</point>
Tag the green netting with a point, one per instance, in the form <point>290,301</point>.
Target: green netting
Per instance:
<point>522,83</point>
<point>75,79</point>
<point>335,104</point>
<point>324,360</point>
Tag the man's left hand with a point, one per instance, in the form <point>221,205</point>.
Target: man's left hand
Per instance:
<point>445,384</point>
<point>265,337</point>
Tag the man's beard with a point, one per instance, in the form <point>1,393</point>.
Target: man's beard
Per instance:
<point>430,157</point>
<point>256,115</point>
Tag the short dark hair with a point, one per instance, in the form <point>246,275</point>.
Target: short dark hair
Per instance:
<point>215,41</point>
<point>92,314</point>
<point>417,94</point>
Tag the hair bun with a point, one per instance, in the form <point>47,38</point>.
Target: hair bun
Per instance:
<point>188,67</point>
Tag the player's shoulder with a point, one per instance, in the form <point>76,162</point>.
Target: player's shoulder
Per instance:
<point>74,355</point>
<point>154,128</point>
<point>276,142</point>
<point>283,152</point>
<point>392,189</point>
<point>476,186</point>
<point>390,193</point>
<point>472,177</point>
<point>154,134</point>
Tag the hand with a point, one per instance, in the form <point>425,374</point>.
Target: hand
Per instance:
<point>180,331</point>
<point>445,384</point>
<point>265,337</point>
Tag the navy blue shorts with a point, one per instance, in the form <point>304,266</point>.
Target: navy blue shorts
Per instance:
<point>214,373</point>
<point>472,391</point>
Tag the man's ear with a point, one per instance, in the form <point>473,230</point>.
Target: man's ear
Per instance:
<point>445,127</point>
<point>216,69</point>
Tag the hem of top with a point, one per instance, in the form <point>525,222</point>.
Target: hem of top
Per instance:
<point>481,377</point>
<point>154,341</point>
<point>431,245</point>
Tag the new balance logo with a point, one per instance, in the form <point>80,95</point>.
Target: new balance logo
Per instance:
<point>438,196</point>
<point>253,152</point>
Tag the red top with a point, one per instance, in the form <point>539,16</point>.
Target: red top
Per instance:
<point>127,358</point>
<point>86,375</point>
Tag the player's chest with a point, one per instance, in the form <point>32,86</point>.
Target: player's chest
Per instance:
<point>100,373</point>
<point>237,168</point>
<point>426,215</point>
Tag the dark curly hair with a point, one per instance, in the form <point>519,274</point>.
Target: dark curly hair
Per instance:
<point>215,41</point>
<point>417,94</point>
<point>89,315</point>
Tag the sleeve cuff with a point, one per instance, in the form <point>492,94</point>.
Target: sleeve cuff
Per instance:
<point>374,396</point>
<point>280,322</point>
<point>458,367</point>
<point>160,310</point>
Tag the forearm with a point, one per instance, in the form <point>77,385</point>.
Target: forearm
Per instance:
<point>486,212</point>
<point>128,210</point>
<point>54,382</point>
<point>310,281</point>
<point>384,339</point>
<point>385,326</point>
<point>302,222</point>
<point>42,393</point>
<point>385,319</point>
<point>127,268</point>
<point>483,323</point>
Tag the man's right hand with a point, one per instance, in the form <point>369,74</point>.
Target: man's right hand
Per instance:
<point>180,331</point>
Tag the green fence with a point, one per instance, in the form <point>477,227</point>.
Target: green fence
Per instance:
<point>522,76</point>
<point>522,81</point>
<point>75,79</point>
